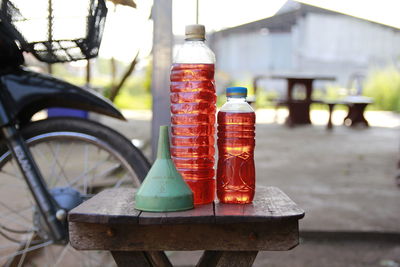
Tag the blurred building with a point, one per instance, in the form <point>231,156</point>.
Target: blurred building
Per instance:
<point>305,39</point>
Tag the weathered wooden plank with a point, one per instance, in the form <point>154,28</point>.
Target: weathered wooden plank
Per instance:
<point>200,214</point>
<point>228,213</point>
<point>131,258</point>
<point>275,202</point>
<point>272,235</point>
<point>227,259</point>
<point>152,217</point>
<point>109,206</point>
<point>117,206</point>
<point>270,203</point>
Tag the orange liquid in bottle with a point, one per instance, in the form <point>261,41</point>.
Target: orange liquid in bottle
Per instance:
<point>236,171</point>
<point>193,118</point>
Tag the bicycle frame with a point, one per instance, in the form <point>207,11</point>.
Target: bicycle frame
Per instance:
<point>45,203</point>
<point>22,94</point>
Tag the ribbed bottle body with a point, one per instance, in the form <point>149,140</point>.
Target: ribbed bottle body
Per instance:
<point>193,126</point>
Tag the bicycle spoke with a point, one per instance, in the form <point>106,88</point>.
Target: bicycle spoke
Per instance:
<point>17,172</point>
<point>32,248</point>
<point>14,211</point>
<point>15,231</point>
<point>62,171</point>
<point>62,254</point>
<point>123,179</point>
<point>38,150</point>
<point>109,182</point>
<point>21,260</point>
<point>66,154</point>
<point>48,251</point>
<point>86,158</point>
<point>81,255</point>
<point>9,237</point>
<point>53,176</point>
<point>52,166</point>
<point>109,172</point>
<point>20,210</point>
<point>16,221</point>
<point>76,179</point>
<point>10,245</point>
<point>13,185</point>
<point>114,170</point>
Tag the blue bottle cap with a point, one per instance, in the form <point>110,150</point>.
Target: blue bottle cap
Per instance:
<point>236,92</point>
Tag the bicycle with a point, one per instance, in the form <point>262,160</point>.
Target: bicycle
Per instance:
<point>50,166</point>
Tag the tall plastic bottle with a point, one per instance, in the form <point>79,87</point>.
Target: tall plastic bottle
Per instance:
<point>193,114</point>
<point>236,141</point>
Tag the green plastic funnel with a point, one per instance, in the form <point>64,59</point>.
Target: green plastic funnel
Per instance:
<point>163,189</point>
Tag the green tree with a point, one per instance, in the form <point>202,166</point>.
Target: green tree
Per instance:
<point>384,87</point>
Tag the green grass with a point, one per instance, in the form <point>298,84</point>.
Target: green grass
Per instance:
<point>127,101</point>
<point>384,87</point>
<point>135,94</point>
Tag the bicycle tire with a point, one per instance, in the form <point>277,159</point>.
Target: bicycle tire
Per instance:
<point>48,130</point>
<point>133,155</point>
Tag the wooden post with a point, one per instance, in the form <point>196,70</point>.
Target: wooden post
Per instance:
<point>162,59</point>
<point>197,11</point>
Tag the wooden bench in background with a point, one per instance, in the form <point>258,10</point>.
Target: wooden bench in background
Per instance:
<point>299,109</point>
<point>355,115</point>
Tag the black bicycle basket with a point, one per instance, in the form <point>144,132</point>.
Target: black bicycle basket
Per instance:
<point>56,30</point>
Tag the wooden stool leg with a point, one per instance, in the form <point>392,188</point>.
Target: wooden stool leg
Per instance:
<point>356,115</point>
<point>158,258</point>
<point>347,120</point>
<point>227,259</point>
<point>362,118</point>
<point>131,258</point>
<point>141,258</point>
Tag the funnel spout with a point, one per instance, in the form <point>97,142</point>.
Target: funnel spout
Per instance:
<point>163,143</point>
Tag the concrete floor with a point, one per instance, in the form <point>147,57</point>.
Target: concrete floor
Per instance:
<point>343,179</point>
<point>320,252</point>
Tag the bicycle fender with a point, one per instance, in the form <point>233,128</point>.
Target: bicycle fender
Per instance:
<point>31,92</point>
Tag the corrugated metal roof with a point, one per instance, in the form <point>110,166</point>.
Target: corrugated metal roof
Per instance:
<point>285,18</point>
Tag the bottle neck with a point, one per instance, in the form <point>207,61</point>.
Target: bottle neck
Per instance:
<point>195,41</point>
<point>236,99</point>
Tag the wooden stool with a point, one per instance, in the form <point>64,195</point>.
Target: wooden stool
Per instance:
<point>231,235</point>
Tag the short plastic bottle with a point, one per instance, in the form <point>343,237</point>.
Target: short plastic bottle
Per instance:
<point>236,141</point>
<point>193,114</point>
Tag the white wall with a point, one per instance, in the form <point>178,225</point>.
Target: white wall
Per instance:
<point>345,39</point>
<point>318,43</point>
<point>244,55</point>
<point>342,45</point>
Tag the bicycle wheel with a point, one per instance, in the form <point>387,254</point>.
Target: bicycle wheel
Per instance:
<point>74,155</point>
